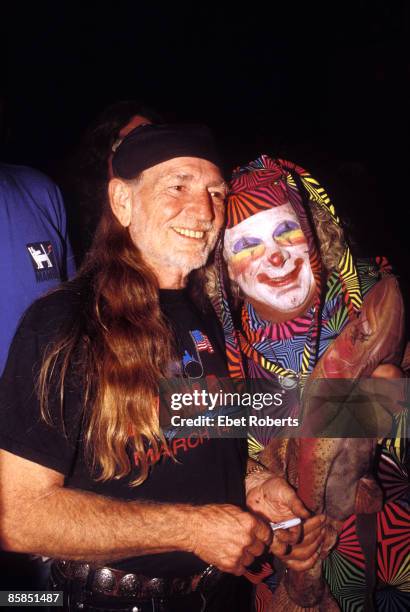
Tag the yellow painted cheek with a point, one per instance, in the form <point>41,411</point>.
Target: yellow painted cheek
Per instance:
<point>241,261</point>
<point>258,251</point>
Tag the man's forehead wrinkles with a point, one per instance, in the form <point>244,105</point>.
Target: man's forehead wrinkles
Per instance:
<point>186,177</point>
<point>183,176</point>
<point>175,174</point>
<point>189,176</point>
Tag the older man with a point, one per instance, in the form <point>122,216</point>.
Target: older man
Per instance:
<point>142,522</point>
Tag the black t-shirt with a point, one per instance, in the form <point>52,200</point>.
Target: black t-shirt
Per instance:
<point>207,470</point>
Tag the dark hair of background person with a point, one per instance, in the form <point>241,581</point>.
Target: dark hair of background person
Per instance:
<point>86,173</point>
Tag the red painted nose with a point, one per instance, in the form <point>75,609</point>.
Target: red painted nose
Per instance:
<point>277,259</point>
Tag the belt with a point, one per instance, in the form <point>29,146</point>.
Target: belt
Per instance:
<point>116,583</point>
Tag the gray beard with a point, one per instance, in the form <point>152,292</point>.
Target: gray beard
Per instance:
<point>186,264</point>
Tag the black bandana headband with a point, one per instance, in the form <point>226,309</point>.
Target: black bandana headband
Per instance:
<point>149,145</point>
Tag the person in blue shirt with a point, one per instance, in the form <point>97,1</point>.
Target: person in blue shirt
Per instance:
<point>35,253</point>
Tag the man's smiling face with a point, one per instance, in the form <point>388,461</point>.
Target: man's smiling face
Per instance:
<point>267,255</point>
<point>177,212</point>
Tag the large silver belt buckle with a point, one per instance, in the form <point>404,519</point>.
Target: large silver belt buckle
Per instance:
<point>208,580</point>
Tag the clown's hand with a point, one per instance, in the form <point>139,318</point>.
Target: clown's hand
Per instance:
<point>304,554</point>
<point>272,498</point>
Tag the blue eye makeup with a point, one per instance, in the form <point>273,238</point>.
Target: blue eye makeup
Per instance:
<point>284,227</point>
<point>245,243</point>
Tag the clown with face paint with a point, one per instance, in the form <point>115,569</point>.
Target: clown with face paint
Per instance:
<point>293,288</point>
<point>287,257</point>
<point>268,258</point>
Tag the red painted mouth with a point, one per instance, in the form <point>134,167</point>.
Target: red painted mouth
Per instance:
<point>282,280</point>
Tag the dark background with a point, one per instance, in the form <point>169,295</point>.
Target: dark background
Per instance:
<point>322,83</point>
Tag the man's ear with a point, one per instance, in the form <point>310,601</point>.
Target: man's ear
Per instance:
<point>120,195</point>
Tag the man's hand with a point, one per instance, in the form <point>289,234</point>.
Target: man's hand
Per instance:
<point>387,370</point>
<point>227,537</point>
<point>41,516</point>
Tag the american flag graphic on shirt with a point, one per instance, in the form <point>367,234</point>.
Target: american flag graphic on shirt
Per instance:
<point>201,341</point>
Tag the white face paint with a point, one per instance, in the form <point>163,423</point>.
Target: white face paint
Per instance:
<point>267,255</point>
